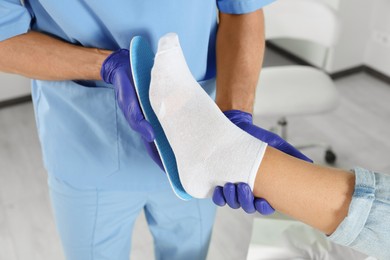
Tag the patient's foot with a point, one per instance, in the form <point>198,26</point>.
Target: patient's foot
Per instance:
<point>209,149</point>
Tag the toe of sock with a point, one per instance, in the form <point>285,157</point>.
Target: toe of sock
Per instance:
<point>168,41</point>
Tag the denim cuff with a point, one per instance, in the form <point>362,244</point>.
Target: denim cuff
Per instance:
<point>359,209</point>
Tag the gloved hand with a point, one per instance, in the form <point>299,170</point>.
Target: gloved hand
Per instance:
<point>240,195</point>
<point>116,71</point>
<point>236,195</point>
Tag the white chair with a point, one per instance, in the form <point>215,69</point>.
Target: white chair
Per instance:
<point>298,90</point>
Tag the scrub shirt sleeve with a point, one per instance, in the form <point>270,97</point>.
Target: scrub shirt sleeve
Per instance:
<point>241,6</point>
<point>15,19</point>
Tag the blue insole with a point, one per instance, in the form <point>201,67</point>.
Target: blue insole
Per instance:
<point>142,59</point>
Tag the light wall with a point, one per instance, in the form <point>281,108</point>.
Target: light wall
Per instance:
<point>358,19</point>
<point>355,23</point>
<point>378,53</point>
<point>13,86</point>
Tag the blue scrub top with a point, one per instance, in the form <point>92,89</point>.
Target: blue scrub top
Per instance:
<point>84,139</point>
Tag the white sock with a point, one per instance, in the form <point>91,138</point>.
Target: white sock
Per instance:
<point>209,149</point>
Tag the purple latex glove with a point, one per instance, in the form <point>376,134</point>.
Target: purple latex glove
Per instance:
<point>116,71</point>
<point>240,195</point>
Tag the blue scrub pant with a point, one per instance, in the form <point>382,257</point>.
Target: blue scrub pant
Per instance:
<point>97,224</point>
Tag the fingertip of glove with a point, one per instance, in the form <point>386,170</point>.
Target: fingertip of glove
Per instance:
<point>230,194</point>
<point>304,157</point>
<point>218,197</point>
<point>263,207</point>
<point>149,137</point>
<point>148,134</point>
<point>249,210</point>
<point>244,187</point>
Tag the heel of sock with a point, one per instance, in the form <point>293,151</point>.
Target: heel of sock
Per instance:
<point>252,176</point>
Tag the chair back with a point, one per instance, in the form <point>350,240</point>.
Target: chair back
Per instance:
<point>302,19</point>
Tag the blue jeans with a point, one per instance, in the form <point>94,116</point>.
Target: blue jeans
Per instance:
<point>367,226</point>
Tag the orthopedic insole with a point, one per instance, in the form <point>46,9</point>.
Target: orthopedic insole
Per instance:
<point>142,59</point>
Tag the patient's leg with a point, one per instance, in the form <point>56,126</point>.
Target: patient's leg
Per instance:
<point>211,151</point>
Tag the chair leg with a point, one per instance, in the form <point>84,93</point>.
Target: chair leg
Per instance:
<point>330,157</point>
<point>282,122</point>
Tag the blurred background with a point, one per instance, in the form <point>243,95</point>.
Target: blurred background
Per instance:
<point>325,87</point>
